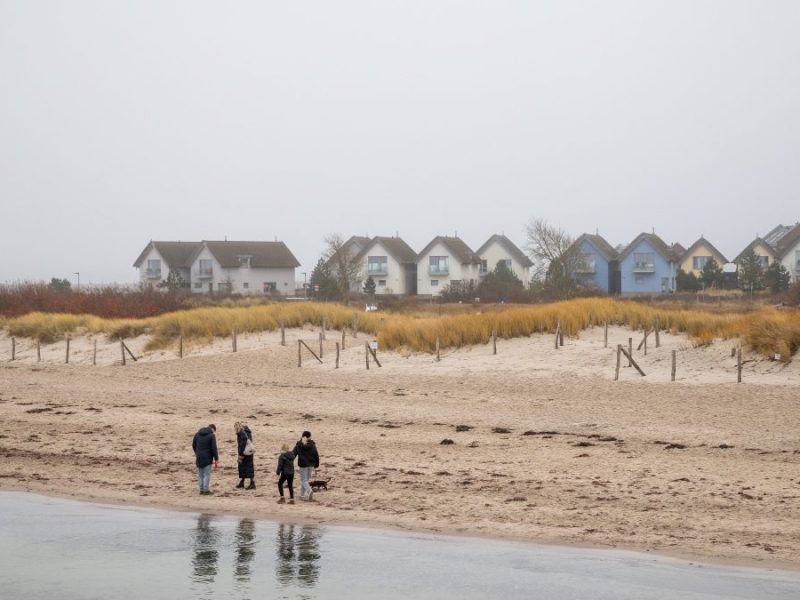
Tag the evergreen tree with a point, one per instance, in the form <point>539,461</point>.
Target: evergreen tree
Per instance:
<point>173,282</point>
<point>369,286</point>
<point>323,283</point>
<point>686,282</point>
<point>60,285</point>
<point>502,284</point>
<point>751,273</point>
<point>712,274</point>
<point>777,278</point>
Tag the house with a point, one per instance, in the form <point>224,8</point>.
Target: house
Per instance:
<point>352,248</point>
<point>788,252</point>
<point>774,237</point>
<point>647,266</point>
<point>697,255</point>
<point>228,266</point>
<point>765,253</point>
<point>596,263</point>
<point>391,263</point>
<point>499,248</point>
<point>159,258</point>
<point>446,261</point>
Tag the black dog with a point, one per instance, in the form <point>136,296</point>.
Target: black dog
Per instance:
<point>319,484</point>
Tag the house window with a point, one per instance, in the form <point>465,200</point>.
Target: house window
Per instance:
<point>763,261</point>
<point>438,265</point>
<point>154,268</point>
<point>644,261</point>
<point>377,265</point>
<point>246,285</point>
<point>664,284</point>
<point>506,262</point>
<point>434,283</point>
<point>205,268</point>
<point>698,262</point>
<point>198,285</point>
<point>244,261</point>
<point>484,268</point>
<point>381,283</point>
<point>586,264</point>
<point>638,279</point>
<point>270,286</point>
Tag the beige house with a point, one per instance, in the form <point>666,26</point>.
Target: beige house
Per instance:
<point>228,267</point>
<point>788,252</point>
<point>391,263</point>
<point>698,254</point>
<point>765,253</point>
<point>446,261</point>
<point>499,248</point>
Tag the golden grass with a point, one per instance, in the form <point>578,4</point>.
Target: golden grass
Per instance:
<point>767,331</point>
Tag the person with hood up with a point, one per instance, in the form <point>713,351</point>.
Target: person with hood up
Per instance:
<point>285,471</point>
<point>246,464</point>
<point>204,445</point>
<point>307,458</point>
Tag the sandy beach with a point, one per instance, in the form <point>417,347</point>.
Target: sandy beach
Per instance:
<point>545,445</point>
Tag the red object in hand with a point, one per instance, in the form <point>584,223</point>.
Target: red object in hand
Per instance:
<point>216,465</point>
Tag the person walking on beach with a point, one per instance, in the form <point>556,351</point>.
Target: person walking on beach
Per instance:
<point>245,453</point>
<point>204,445</point>
<point>286,471</point>
<point>307,458</point>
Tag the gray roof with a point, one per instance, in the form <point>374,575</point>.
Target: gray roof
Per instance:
<point>262,254</point>
<point>774,237</point>
<point>658,244</point>
<point>458,249</point>
<point>599,242</point>
<point>175,254</point>
<point>788,241</point>
<point>395,246</point>
<point>701,240</point>
<point>510,246</point>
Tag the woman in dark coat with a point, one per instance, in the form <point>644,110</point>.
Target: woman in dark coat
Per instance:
<point>246,466</point>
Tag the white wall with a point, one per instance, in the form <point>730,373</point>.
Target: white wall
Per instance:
<point>495,253</point>
<point>458,272</point>
<point>238,276</point>
<point>153,255</point>
<point>395,273</point>
<point>218,276</point>
<point>790,262</point>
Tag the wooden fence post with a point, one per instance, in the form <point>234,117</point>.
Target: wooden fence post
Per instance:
<point>299,354</point>
<point>94,352</point>
<point>437,348</point>
<point>672,372</point>
<point>739,365</point>
<point>355,325</point>
<point>122,349</point>
<point>321,337</point>
<point>630,350</point>
<point>66,360</point>
<point>645,343</point>
<point>636,366</point>
<point>494,341</point>
<point>558,329</point>
<point>38,351</point>
<point>13,348</point>
<point>658,339</point>
<point>343,337</point>
<point>605,334</point>
<point>366,353</point>
<point>180,347</point>
<point>283,333</point>
<point>616,371</point>
<point>337,355</point>
<point>233,339</point>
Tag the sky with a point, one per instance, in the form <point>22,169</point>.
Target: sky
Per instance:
<point>125,122</point>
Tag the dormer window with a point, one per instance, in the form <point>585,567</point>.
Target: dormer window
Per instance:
<point>244,261</point>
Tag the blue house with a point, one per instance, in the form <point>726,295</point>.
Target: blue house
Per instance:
<point>647,266</point>
<point>596,263</point>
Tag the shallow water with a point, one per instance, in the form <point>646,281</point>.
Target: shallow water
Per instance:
<point>59,549</point>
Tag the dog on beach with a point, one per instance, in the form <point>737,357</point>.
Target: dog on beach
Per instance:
<point>319,484</point>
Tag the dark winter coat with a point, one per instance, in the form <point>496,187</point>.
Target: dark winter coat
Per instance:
<point>246,466</point>
<point>307,455</point>
<point>204,445</point>
<point>285,464</point>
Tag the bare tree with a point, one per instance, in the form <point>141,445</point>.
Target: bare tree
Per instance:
<point>340,257</point>
<point>557,260</point>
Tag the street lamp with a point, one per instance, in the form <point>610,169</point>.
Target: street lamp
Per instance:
<point>78,286</point>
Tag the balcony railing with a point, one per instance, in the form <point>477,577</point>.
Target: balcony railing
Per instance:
<point>378,270</point>
<point>153,273</point>
<point>439,270</point>
<point>205,273</point>
<point>644,267</point>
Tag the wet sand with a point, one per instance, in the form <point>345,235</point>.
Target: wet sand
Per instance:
<point>545,446</point>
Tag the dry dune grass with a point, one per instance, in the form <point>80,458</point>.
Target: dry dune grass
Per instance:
<point>767,331</point>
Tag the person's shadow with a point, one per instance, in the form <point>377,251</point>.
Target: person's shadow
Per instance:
<point>298,556</point>
<point>206,551</point>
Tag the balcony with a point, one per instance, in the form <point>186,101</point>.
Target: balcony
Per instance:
<point>153,273</point>
<point>205,273</point>
<point>644,267</point>
<point>377,270</point>
<point>436,271</point>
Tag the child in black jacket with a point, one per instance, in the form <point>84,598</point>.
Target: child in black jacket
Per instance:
<point>286,471</point>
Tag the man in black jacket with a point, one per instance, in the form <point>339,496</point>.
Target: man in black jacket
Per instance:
<point>307,458</point>
<point>204,445</point>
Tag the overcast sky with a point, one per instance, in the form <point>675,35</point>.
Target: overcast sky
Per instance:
<point>122,122</point>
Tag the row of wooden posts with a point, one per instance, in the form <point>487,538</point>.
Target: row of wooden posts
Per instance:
<point>369,351</point>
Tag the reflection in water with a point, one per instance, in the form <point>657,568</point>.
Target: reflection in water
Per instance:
<point>206,553</point>
<point>298,555</point>
<point>245,549</point>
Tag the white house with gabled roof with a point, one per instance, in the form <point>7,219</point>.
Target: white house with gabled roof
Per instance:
<point>499,248</point>
<point>446,261</point>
